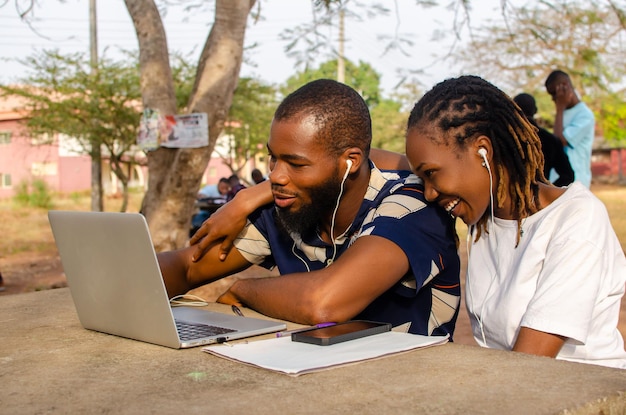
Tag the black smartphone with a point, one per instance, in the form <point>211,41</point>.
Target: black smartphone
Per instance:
<point>341,332</point>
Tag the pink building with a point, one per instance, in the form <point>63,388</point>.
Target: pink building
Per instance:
<point>58,162</point>
<point>23,159</point>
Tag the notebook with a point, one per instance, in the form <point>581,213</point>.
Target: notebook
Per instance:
<point>116,285</point>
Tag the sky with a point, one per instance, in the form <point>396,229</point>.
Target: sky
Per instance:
<point>65,26</point>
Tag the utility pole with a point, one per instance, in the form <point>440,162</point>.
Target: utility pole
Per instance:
<point>341,67</point>
<point>96,152</point>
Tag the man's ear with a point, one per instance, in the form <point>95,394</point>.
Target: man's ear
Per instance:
<point>354,159</point>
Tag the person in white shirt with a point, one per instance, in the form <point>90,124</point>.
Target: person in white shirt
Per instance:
<point>546,272</point>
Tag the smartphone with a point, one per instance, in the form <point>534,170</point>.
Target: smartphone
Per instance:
<point>341,332</point>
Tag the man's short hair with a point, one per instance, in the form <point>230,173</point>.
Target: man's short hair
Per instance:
<point>341,115</point>
<point>527,104</point>
<point>556,75</point>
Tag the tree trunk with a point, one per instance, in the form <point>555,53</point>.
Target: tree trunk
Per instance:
<point>97,202</point>
<point>176,174</point>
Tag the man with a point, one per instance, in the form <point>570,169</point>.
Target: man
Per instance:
<point>257,176</point>
<point>235,187</point>
<point>553,153</point>
<point>574,124</point>
<point>217,192</point>
<point>350,241</point>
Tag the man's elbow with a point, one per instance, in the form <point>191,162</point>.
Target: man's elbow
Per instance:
<point>328,310</point>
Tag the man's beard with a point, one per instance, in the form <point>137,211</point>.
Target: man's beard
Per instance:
<point>305,220</point>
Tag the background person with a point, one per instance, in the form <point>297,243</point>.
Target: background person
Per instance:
<point>235,187</point>
<point>332,215</point>
<point>574,124</point>
<point>257,176</point>
<point>217,192</point>
<point>554,156</point>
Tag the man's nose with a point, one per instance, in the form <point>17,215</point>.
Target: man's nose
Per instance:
<point>278,174</point>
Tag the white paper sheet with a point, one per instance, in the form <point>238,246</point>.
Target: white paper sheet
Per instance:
<point>294,358</point>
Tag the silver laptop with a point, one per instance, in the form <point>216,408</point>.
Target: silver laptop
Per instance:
<point>116,284</point>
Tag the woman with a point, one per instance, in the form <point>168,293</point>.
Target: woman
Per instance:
<point>546,272</point>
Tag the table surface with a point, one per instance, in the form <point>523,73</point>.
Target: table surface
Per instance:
<point>50,364</point>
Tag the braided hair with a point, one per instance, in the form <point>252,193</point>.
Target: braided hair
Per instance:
<point>467,107</point>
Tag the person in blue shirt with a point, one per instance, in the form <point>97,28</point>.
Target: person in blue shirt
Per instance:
<point>574,124</point>
<point>350,241</point>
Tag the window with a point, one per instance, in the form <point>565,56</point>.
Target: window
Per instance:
<point>5,137</point>
<point>43,169</point>
<point>5,180</point>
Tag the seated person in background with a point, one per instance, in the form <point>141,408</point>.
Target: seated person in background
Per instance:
<point>235,187</point>
<point>350,241</point>
<point>554,156</point>
<point>257,176</point>
<point>216,192</point>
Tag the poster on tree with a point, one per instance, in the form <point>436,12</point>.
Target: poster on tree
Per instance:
<point>173,131</point>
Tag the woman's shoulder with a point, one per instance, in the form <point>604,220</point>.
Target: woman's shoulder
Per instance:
<point>577,210</point>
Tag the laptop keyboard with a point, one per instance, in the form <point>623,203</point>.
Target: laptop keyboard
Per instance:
<point>190,331</point>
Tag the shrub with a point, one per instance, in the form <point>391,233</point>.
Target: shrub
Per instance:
<point>36,195</point>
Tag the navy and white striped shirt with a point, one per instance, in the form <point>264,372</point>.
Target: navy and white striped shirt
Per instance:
<point>394,208</point>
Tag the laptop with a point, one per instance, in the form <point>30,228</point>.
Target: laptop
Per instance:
<point>115,281</point>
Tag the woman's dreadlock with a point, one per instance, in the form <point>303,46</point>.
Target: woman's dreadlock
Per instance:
<point>467,107</point>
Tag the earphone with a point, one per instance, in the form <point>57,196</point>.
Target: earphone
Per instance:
<point>349,166</point>
<point>332,222</point>
<point>483,153</point>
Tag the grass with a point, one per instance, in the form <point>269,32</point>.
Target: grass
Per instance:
<point>25,229</point>
<point>615,201</point>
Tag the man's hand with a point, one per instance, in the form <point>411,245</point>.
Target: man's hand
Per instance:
<point>229,298</point>
<point>563,95</point>
<point>224,224</point>
<point>229,220</point>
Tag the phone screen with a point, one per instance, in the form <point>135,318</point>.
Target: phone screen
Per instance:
<point>341,332</point>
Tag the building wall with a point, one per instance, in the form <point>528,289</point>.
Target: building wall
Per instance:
<point>22,161</point>
<point>74,174</point>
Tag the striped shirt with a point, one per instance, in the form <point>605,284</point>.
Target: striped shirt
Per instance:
<point>394,207</point>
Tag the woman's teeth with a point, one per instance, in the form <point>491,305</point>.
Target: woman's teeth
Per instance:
<point>452,205</point>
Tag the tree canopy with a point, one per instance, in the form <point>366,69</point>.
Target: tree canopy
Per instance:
<point>63,96</point>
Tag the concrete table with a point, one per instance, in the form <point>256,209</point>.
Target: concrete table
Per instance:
<point>49,364</point>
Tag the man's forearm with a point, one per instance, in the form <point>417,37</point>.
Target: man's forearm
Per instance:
<point>277,297</point>
<point>174,271</point>
<point>558,128</point>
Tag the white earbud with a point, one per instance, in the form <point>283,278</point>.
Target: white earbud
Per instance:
<point>348,167</point>
<point>483,153</point>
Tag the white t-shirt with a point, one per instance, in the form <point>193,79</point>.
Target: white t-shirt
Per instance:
<point>566,277</point>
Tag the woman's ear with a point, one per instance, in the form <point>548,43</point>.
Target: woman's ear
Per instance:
<point>483,148</point>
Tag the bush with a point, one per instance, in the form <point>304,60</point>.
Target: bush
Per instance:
<point>36,195</point>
